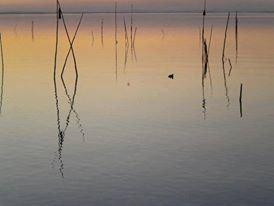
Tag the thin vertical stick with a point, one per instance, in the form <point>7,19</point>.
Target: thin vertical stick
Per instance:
<point>204,103</point>
<point>204,13</point>
<point>126,34</point>
<point>204,47</point>
<point>224,45</point>
<point>126,56</point>
<point>131,26</point>
<point>134,54</point>
<point>240,100</point>
<point>55,68</point>
<point>15,29</point>
<point>223,62</point>
<point>236,34</point>
<point>163,34</point>
<point>102,32</point>
<point>209,47</point>
<point>3,74</point>
<point>116,23</point>
<point>205,60</point>
<point>92,38</point>
<point>205,67</point>
<point>225,83</point>
<point>133,51</point>
<point>126,44</point>
<point>210,38</point>
<point>203,28</point>
<point>230,64</point>
<point>60,133</point>
<point>134,37</point>
<point>200,37</point>
<point>116,42</point>
<point>32,30</point>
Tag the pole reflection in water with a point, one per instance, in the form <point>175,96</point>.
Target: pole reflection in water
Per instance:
<point>223,62</point>
<point>2,74</point>
<point>71,98</point>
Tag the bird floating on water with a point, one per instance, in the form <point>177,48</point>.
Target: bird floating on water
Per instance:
<point>171,76</point>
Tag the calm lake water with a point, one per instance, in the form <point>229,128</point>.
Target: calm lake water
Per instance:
<point>133,136</point>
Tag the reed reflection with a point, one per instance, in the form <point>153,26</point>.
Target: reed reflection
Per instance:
<point>71,98</point>
<point>237,35</point>
<point>2,74</point>
<point>102,32</point>
<point>126,44</point>
<point>163,34</point>
<point>92,38</point>
<point>205,53</point>
<point>116,43</point>
<point>129,42</point>
<point>223,61</point>
<point>32,30</point>
<point>209,70</point>
<point>60,134</point>
<point>241,101</point>
<point>126,56</point>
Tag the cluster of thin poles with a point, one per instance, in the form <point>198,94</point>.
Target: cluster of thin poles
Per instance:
<point>129,42</point>
<point>130,38</point>
<point>205,59</point>
<point>130,33</point>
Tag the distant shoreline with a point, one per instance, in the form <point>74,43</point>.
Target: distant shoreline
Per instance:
<point>127,12</point>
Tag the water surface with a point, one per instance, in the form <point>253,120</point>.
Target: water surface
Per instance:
<point>136,137</point>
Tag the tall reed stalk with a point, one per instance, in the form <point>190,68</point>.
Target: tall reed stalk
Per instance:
<point>240,100</point>
<point>2,73</point>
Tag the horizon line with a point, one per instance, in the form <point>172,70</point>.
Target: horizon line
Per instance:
<point>135,12</point>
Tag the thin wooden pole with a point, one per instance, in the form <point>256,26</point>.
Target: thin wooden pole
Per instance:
<point>134,37</point>
<point>240,100</point>
<point>236,34</point>
<point>32,30</point>
<point>102,32</point>
<point>71,46</point>
<point>92,38</point>
<point>55,69</point>
<point>131,26</point>
<point>210,38</point>
<point>3,74</point>
<point>60,133</point>
<point>230,64</point>
<point>224,45</point>
<point>116,42</point>
<point>126,33</point>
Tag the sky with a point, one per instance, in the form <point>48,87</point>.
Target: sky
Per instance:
<point>141,5</point>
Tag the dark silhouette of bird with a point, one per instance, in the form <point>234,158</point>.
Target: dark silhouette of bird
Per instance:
<point>171,76</point>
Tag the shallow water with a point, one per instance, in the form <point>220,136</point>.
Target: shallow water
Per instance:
<point>134,136</point>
